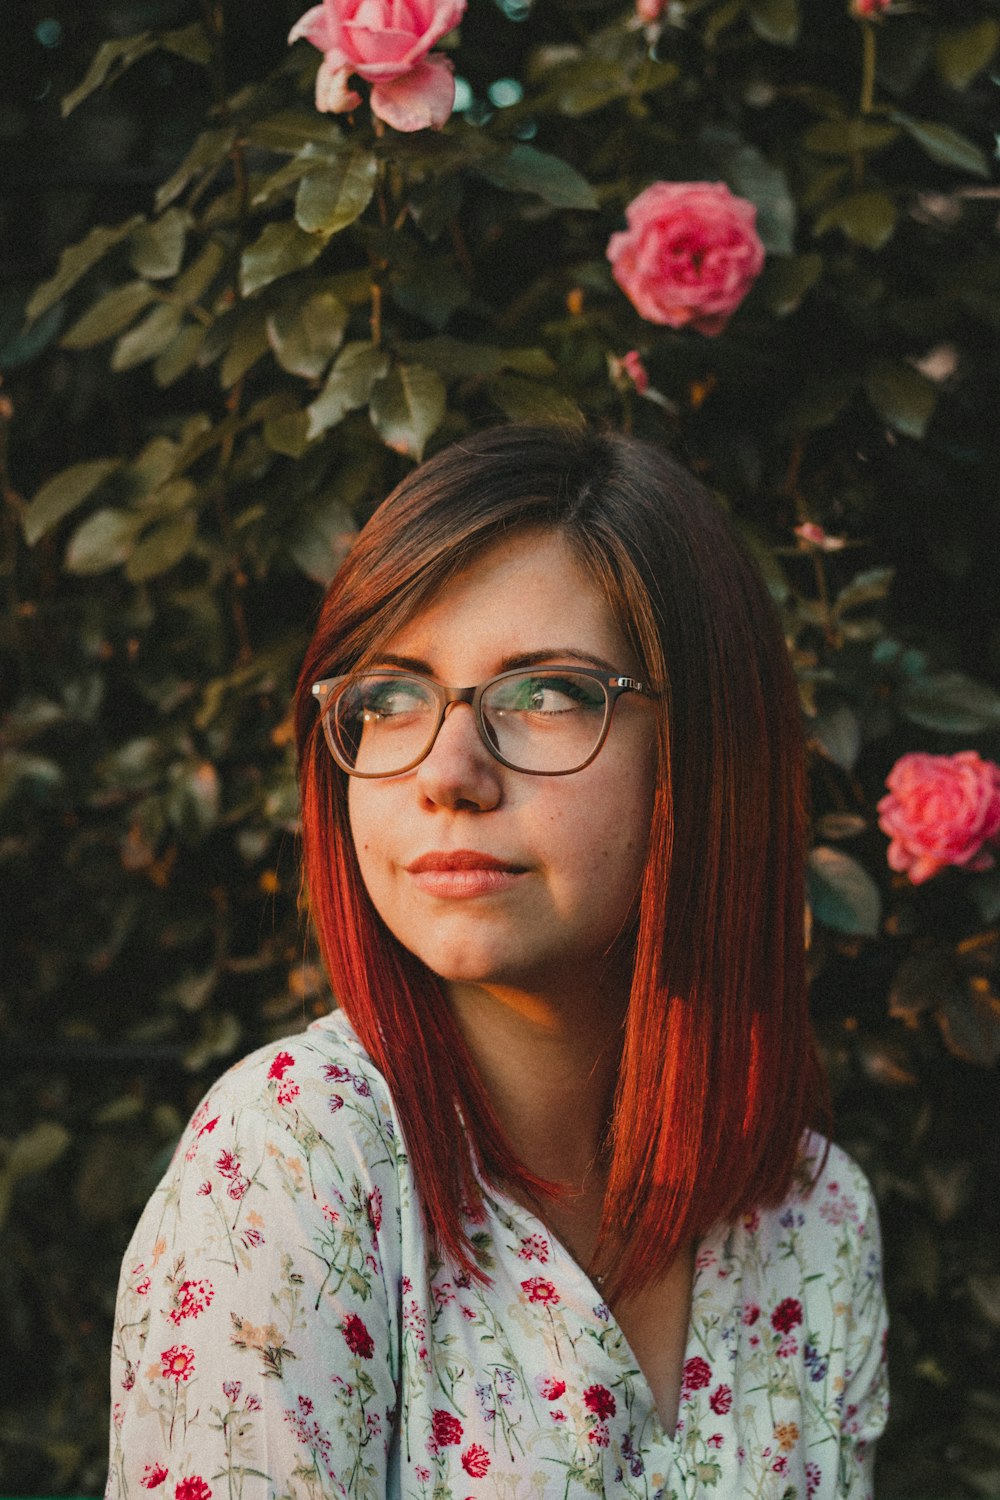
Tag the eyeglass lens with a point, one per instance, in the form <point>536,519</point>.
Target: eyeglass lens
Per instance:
<point>537,721</point>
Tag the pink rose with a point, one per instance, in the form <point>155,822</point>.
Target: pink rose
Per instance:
<point>865,8</point>
<point>941,810</point>
<point>689,256</point>
<point>385,42</point>
<point>650,10</point>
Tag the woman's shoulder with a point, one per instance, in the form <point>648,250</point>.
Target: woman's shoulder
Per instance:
<point>827,1218</point>
<point>315,1088</point>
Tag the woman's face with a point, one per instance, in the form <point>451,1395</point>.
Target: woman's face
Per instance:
<point>570,848</point>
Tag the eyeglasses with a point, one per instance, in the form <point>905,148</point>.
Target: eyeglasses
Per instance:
<point>547,721</point>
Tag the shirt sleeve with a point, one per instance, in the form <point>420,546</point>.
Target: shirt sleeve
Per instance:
<point>866,1394</point>
<point>256,1333</point>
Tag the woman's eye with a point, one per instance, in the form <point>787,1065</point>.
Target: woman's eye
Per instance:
<point>552,695</point>
<point>387,700</point>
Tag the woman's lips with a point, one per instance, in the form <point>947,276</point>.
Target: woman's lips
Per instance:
<point>463,872</point>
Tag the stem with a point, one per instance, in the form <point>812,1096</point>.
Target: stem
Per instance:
<point>867,67</point>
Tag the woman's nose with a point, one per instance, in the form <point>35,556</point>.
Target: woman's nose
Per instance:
<point>458,771</point>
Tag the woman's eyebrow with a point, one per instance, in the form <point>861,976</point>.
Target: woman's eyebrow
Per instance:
<point>547,655</point>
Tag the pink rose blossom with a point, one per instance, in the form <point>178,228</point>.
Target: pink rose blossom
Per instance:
<point>689,256</point>
<point>549,1387</point>
<point>649,11</point>
<point>814,536</point>
<point>385,42</point>
<point>868,8</point>
<point>941,810</point>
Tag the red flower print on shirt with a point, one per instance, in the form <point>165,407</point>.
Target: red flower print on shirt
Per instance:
<point>445,1428</point>
<point>194,1488</point>
<point>475,1461</point>
<point>281,1065</point>
<point>537,1289</point>
<point>375,1209</point>
<point>336,1073</point>
<point>751,1312</point>
<point>357,1337</point>
<point>599,1435</point>
<point>715,1441</point>
<point>697,1374</point>
<point>288,1090</point>
<point>599,1400</point>
<point>549,1387</point>
<point>786,1315</point>
<point>192,1299</point>
<point>721,1400</point>
<point>178,1363</point>
<point>231,1390</point>
<point>153,1475</point>
<point>534,1247</point>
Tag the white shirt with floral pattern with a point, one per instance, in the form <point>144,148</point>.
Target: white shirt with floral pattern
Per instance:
<point>284,1331</point>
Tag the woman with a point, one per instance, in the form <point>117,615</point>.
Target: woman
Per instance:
<point>537,1212</point>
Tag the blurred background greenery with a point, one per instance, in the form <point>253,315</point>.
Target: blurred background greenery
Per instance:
<point>228,324</point>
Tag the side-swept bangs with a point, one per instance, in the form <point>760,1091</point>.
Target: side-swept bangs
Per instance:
<point>718,1070</point>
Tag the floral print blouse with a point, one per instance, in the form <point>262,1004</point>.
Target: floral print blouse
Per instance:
<point>283,1331</point>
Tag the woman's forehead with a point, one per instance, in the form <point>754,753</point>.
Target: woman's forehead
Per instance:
<point>526,592</point>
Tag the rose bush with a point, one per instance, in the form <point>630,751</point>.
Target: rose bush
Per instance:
<point>386,42</point>
<point>940,810</point>
<point>689,256</point>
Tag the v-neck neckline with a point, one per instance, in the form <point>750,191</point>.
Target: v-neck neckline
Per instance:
<point>568,1268</point>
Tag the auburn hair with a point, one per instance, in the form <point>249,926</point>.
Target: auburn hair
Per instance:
<point>718,1075</point>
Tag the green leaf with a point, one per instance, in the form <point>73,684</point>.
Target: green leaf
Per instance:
<point>306,335</point>
<point>102,541</point>
<point>950,702</point>
<point>407,406</point>
<point>148,338</point>
<point>211,148</point>
<point>108,63</point>
<point>108,315</point>
<point>841,892</point>
<point>901,395</point>
<point>158,248</point>
<point>161,547</point>
<point>776,20</point>
<point>450,356</point>
<point>838,735</point>
<point>333,197</point>
<point>288,433</point>
<point>348,385</point>
<point>866,218</point>
<point>295,131</point>
<point>787,280</point>
<point>63,493</point>
<point>75,261</point>
<point>29,1155</point>
<point>970,1026</point>
<point>865,588</point>
<point>529,401</point>
<point>961,55</point>
<point>431,291</point>
<point>193,283</point>
<point>190,42</point>
<point>848,137</point>
<point>179,355</point>
<point>247,344</point>
<point>946,146</point>
<point>527,170</point>
<point>281,248</point>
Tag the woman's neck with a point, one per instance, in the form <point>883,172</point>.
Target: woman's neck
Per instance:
<point>549,1066</point>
